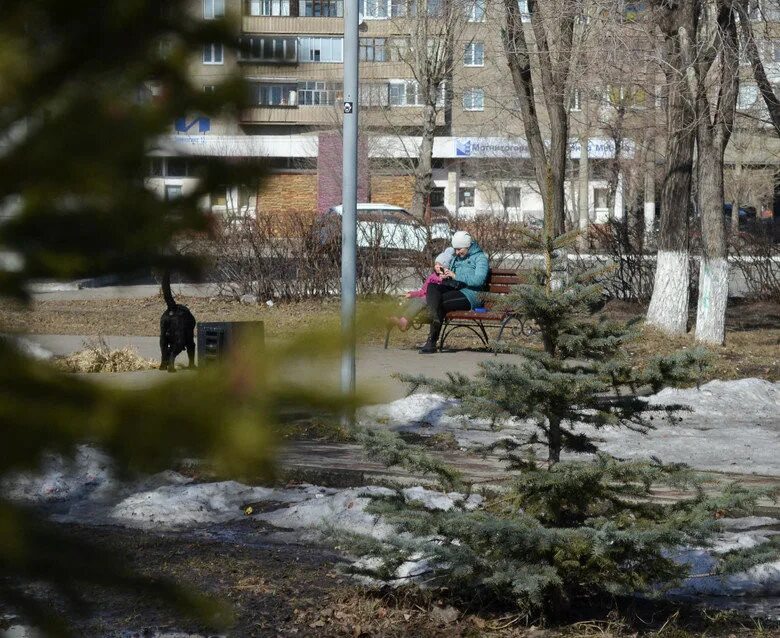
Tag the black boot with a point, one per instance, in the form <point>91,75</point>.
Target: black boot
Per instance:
<point>433,339</point>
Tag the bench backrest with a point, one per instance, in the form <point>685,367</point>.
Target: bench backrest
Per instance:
<point>499,280</point>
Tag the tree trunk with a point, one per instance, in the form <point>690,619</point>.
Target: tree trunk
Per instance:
<point>549,165</point>
<point>712,137</point>
<point>423,172</point>
<point>668,309</point>
<point>736,203</point>
<point>649,204</point>
<point>584,192</point>
<point>554,440</point>
<point>714,268</point>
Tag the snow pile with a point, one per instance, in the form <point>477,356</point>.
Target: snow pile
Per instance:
<point>723,399</point>
<point>741,533</point>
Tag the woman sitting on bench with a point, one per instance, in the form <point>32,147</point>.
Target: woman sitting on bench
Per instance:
<point>459,287</point>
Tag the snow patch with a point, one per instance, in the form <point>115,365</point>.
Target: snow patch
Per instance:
<point>756,398</point>
<point>335,509</point>
<point>432,500</point>
<point>176,506</point>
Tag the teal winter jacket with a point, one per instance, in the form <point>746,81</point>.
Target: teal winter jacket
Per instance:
<point>472,270</point>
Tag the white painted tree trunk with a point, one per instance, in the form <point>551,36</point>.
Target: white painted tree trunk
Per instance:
<point>713,296</point>
<point>668,309</point>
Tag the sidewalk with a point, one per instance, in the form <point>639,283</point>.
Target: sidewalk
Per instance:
<point>375,365</point>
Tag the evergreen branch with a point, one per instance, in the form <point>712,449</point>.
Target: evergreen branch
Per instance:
<point>388,448</point>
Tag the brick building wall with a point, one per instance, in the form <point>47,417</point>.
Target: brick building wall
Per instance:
<point>392,189</point>
<point>329,171</point>
<point>288,192</point>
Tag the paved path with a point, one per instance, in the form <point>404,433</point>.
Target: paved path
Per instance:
<point>375,366</point>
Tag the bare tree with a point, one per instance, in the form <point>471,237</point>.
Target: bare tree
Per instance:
<point>668,308</point>
<point>712,60</point>
<point>552,23</point>
<point>742,7</point>
<point>435,33</point>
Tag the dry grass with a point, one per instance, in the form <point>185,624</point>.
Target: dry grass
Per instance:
<point>752,347</point>
<point>96,356</point>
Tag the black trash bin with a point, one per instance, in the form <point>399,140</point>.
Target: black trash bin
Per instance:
<point>215,338</point>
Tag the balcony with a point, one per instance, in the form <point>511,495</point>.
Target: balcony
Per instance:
<point>267,50</point>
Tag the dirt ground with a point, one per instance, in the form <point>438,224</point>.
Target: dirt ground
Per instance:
<point>752,348</point>
<point>281,590</point>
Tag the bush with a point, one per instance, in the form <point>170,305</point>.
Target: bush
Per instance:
<point>757,258</point>
<point>291,256</point>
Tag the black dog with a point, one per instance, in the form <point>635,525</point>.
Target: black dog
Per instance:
<point>177,329</point>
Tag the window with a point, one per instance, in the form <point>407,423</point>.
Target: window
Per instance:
<point>402,8</point>
<point>273,94</point>
<point>209,88</point>
<point>525,15</point>
<point>268,49</point>
<point>269,7</point>
<point>627,97</point>
<point>213,9</point>
<point>372,50</point>
<point>169,167</point>
<point>600,198</point>
<point>474,100</point>
<point>475,11</point>
<point>315,93</point>
<point>156,167</point>
<point>405,93</point>
<point>320,49</point>
<point>374,94</point>
<point>374,9</point>
<point>321,8</point>
<point>748,94</point>
<point>176,167</point>
<point>436,198</point>
<point>513,197</point>
<point>474,54</point>
<point>398,49</point>
<point>172,192</point>
<point>575,100</point>
<point>466,197</point>
<point>212,53</point>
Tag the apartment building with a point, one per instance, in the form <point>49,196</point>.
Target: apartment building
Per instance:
<point>291,54</point>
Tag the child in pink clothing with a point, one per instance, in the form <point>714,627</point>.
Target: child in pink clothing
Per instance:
<point>417,297</point>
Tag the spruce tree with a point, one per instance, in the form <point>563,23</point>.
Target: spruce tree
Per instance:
<point>560,531</point>
<point>77,121</point>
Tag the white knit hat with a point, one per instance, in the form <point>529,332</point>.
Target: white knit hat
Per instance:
<point>461,239</point>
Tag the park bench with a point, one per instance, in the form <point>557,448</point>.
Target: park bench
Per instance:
<point>480,321</point>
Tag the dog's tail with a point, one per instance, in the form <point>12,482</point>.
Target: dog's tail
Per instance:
<point>166,290</point>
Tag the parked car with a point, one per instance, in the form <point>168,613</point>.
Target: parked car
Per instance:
<point>387,228</point>
<point>747,214</point>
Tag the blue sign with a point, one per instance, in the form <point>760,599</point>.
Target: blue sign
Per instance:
<point>462,148</point>
<point>204,124</point>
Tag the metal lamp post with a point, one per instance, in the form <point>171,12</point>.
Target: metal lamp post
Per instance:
<point>349,196</point>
